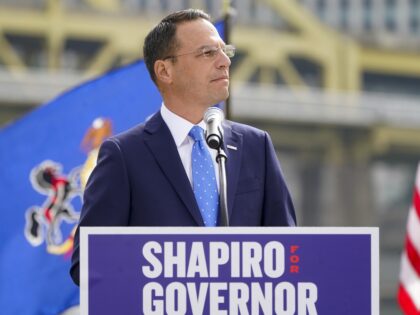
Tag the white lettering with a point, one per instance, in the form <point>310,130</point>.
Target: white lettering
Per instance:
<point>235,260</point>
<point>172,260</point>
<point>231,298</point>
<point>244,259</point>
<point>262,299</point>
<point>238,297</point>
<point>150,305</point>
<point>155,269</point>
<point>197,301</point>
<point>176,297</point>
<point>284,295</point>
<point>251,259</point>
<point>274,259</point>
<point>216,299</point>
<point>307,297</point>
<point>219,255</point>
<point>197,262</point>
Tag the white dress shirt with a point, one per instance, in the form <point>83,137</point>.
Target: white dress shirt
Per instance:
<point>179,128</point>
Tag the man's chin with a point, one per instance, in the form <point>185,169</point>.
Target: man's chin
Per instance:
<point>222,97</point>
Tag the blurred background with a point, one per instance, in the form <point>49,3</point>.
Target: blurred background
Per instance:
<point>336,83</point>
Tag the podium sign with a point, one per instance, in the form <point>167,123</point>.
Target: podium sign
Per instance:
<point>264,270</point>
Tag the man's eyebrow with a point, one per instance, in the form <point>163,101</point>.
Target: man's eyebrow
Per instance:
<point>221,44</point>
<point>206,46</point>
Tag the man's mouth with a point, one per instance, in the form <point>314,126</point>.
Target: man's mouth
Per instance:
<point>223,77</point>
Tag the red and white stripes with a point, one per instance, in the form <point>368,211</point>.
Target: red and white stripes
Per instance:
<point>409,289</point>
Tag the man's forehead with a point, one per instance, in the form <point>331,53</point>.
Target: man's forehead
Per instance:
<point>197,32</point>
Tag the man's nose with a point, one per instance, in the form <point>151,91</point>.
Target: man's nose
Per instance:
<point>223,61</point>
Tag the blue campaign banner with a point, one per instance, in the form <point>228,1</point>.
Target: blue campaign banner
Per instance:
<point>326,271</point>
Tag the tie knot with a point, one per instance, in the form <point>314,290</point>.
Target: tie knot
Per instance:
<point>197,133</point>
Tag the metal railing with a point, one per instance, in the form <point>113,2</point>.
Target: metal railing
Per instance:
<point>270,102</point>
<point>363,109</point>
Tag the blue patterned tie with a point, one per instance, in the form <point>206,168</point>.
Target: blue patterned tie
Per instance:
<point>203,177</point>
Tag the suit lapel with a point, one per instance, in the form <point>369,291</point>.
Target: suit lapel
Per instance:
<point>232,140</point>
<point>163,147</point>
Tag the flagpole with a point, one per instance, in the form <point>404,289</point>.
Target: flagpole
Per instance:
<point>226,34</point>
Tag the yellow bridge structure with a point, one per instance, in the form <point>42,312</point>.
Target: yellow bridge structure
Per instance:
<point>120,36</point>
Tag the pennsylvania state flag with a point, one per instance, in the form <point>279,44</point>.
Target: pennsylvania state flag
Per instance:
<point>45,160</point>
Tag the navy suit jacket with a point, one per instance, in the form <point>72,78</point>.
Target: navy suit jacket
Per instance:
<point>139,180</point>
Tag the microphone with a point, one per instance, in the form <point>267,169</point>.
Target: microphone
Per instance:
<point>213,118</point>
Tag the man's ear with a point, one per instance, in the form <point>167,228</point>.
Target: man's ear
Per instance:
<point>163,71</point>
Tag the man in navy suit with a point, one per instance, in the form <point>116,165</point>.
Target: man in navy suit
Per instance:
<point>144,176</point>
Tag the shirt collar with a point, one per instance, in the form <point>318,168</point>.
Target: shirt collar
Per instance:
<point>178,126</point>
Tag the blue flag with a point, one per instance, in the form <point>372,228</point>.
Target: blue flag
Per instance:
<point>45,159</point>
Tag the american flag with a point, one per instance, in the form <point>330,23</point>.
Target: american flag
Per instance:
<point>409,288</point>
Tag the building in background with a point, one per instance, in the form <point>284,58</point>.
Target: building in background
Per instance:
<point>335,82</point>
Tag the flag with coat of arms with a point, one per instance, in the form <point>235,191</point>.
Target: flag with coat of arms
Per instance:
<point>45,159</point>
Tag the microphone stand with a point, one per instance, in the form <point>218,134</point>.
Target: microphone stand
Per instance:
<point>221,160</point>
<point>214,139</point>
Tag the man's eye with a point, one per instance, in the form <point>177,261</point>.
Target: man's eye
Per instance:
<point>209,52</point>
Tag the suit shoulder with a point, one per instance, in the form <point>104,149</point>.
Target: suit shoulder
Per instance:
<point>245,130</point>
<point>127,138</point>
<point>130,134</point>
<point>136,134</point>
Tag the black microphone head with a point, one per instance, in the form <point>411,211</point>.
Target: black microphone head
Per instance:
<point>213,141</point>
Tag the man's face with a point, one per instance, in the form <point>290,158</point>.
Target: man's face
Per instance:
<point>203,79</point>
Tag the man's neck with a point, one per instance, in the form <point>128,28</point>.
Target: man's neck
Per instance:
<point>191,112</point>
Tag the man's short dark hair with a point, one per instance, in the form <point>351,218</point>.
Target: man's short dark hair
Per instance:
<point>161,41</point>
